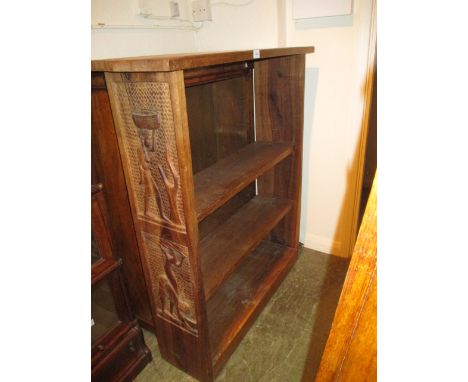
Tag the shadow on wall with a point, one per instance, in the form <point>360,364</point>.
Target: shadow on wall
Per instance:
<point>339,241</point>
<point>330,291</point>
<point>347,228</point>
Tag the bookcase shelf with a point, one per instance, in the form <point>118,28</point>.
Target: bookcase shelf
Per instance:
<point>219,182</point>
<point>204,166</point>
<point>225,247</point>
<point>238,302</point>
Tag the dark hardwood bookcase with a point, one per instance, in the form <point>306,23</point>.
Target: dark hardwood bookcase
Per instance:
<point>207,152</point>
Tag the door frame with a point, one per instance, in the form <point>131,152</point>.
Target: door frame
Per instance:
<point>351,235</point>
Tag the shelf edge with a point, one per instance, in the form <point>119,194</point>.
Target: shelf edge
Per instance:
<point>203,213</point>
<point>282,211</point>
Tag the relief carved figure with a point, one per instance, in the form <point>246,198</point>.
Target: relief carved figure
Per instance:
<point>147,123</point>
<point>149,145</point>
<point>151,188</point>
<point>150,121</point>
<point>171,304</point>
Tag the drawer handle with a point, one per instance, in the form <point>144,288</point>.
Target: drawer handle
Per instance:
<point>95,188</point>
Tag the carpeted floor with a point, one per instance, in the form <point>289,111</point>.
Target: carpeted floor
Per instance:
<point>276,348</point>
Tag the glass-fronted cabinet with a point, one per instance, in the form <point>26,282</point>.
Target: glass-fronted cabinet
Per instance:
<point>118,351</point>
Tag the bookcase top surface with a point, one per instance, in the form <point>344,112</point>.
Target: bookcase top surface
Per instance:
<point>171,62</point>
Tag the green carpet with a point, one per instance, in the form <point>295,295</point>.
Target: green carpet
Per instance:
<point>276,347</point>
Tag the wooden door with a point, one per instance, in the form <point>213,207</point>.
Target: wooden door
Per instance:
<point>351,350</point>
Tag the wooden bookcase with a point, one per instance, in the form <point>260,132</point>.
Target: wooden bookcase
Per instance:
<point>210,146</point>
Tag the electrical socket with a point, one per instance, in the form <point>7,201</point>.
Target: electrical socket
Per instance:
<point>143,8</point>
<point>201,10</point>
<point>174,6</point>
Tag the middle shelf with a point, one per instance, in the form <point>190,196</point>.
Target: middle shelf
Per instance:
<point>225,247</point>
<point>218,183</point>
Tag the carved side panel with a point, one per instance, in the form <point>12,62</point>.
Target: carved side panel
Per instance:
<point>146,114</point>
<point>144,120</point>
<point>171,280</point>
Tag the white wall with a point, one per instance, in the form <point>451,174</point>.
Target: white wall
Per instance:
<point>335,80</point>
<point>139,42</point>
<point>124,42</point>
<point>235,28</point>
<point>335,77</point>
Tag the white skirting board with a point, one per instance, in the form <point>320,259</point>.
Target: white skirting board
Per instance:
<point>322,244</point>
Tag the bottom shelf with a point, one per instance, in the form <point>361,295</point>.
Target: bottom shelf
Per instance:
<point>240,299</point>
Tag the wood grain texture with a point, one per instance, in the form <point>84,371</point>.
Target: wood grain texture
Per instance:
<point>351,350</point>
<point>279,113</point>
<point>351,219</point>
<point>107,169</point>
<point>127,358</point>
<point>220,116</point>
<point>228,244</point>
<point>175,62</point>
<point>107,263</point>
<point>208,74</point>
<point>223,213</point>
<point>117,350</point>
<point>158,175</point>
<point>111,271</point>
<point>185,131</point>
<point>153,179</point>
<point>236,305</point>
<point>218,183</point>
<point>199,364</point>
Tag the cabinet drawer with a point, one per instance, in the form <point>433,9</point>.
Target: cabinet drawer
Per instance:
<point>125,360</point>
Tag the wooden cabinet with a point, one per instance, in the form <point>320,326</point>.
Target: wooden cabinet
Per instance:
<point>210,147</point>
<point>118,351</point>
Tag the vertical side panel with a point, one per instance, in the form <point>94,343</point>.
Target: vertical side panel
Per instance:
<point>279,112</point>
<point>152,130</point>
<point>107,169</point>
